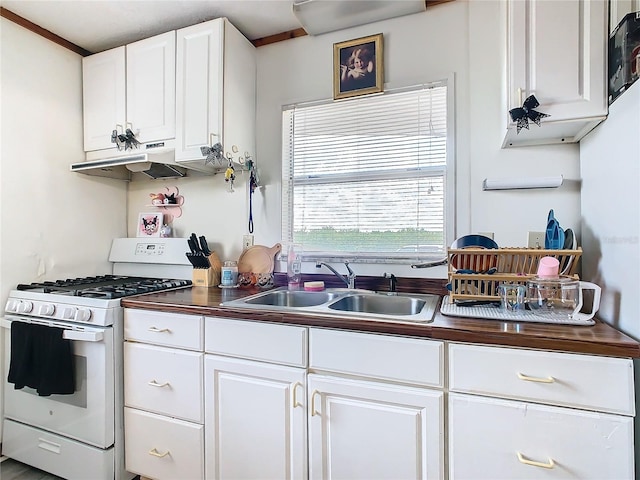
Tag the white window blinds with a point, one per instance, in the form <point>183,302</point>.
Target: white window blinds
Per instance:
<point>365,178</point>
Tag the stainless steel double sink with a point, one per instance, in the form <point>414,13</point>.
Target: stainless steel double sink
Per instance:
<point>352,303</point>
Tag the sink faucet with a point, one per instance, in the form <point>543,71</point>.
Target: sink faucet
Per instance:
<point>393,281</point>
<point>349,279</point>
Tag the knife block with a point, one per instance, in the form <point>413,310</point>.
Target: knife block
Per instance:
<point>208,277</point>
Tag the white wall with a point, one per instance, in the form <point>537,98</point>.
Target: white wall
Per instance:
<point>209,209</point>
<point>610,206</point>
<point>53,223</point>
<point>467,39</point>
<point>610,162</point>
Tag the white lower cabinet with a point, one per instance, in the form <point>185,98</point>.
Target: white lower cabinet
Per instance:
<point>528,414</point>
<point>369,430</point>
<point>255,419</point>
<point>368,418</point>
<point>371,415</point>
<point>163,395</point>
<point>496,439</point>
<point>226,399</point>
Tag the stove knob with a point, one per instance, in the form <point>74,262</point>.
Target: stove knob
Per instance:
<point>25,307</point>
<point>46,309</point>
<point>83,315</point>
<point>12,306</point>
<point>69,313</point>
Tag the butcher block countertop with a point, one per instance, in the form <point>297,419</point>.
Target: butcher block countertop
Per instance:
<point>598,339</point>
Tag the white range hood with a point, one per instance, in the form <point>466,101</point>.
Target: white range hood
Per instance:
<point>322,16</point>
<point>152,160</point>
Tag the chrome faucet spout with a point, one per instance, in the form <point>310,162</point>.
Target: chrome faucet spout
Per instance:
<point>393,281</point>
<point>349,280</point>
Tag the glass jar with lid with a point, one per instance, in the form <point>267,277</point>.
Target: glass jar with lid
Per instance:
<point>229,274</point>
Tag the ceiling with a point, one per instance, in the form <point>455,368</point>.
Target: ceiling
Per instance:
<point>97,25</point>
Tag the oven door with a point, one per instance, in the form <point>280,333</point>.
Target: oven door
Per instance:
<point>88,414</point>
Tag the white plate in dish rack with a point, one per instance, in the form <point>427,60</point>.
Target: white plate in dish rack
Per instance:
<point>492,312</point>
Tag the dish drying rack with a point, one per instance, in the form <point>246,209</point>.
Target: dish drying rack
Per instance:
<point>511,265</point>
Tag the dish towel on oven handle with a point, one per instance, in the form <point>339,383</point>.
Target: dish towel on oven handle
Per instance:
<point>41,359</point>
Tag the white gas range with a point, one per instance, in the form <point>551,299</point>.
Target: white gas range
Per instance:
<point>78,434</point>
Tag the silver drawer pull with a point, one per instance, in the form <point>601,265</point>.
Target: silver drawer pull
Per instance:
<point>549,464</point>
<point>159,330</point>
<point>527,378</point>
<point>153,383</point>
<point>156,453</point>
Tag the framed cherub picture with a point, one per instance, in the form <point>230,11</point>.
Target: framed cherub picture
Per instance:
<point>357,67</point>
<point>149,224</point>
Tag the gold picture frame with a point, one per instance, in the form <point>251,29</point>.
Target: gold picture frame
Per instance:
<point>358,67</point>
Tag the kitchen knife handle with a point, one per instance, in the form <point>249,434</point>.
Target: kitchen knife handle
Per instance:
<point>192,247</point>
<point>196,245</point>
<point>204,246</point>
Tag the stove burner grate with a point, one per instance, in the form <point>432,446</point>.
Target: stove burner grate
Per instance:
<point>104,286</point>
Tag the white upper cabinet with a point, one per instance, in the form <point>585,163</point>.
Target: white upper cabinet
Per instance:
<point>104,95</point>
<point>216,90</point>
<point>130,87</point>
<point>151,88</point>
<point>557,52</point>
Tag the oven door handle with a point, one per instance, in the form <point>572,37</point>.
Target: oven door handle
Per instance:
<point>79,335</point>
<point>83,336</point>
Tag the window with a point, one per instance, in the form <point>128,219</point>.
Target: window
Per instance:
<point>365,179</point>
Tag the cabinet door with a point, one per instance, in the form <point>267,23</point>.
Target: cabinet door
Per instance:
<point>198,88</point>
<point>255,420</point>
<point>557,53</point>
<point>151,92</point>
<point>368,430</point>
<point>103,91</point>
<point>502,439</point>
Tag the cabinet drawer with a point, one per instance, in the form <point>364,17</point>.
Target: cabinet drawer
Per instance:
<point>486,435</point>
<point>583,381</point>
<point>285,344</point>
<point>57,454</point>
<point>163,448</point>
<point>163,380</point>
<point>402,359</point>
<point>158,328</point>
